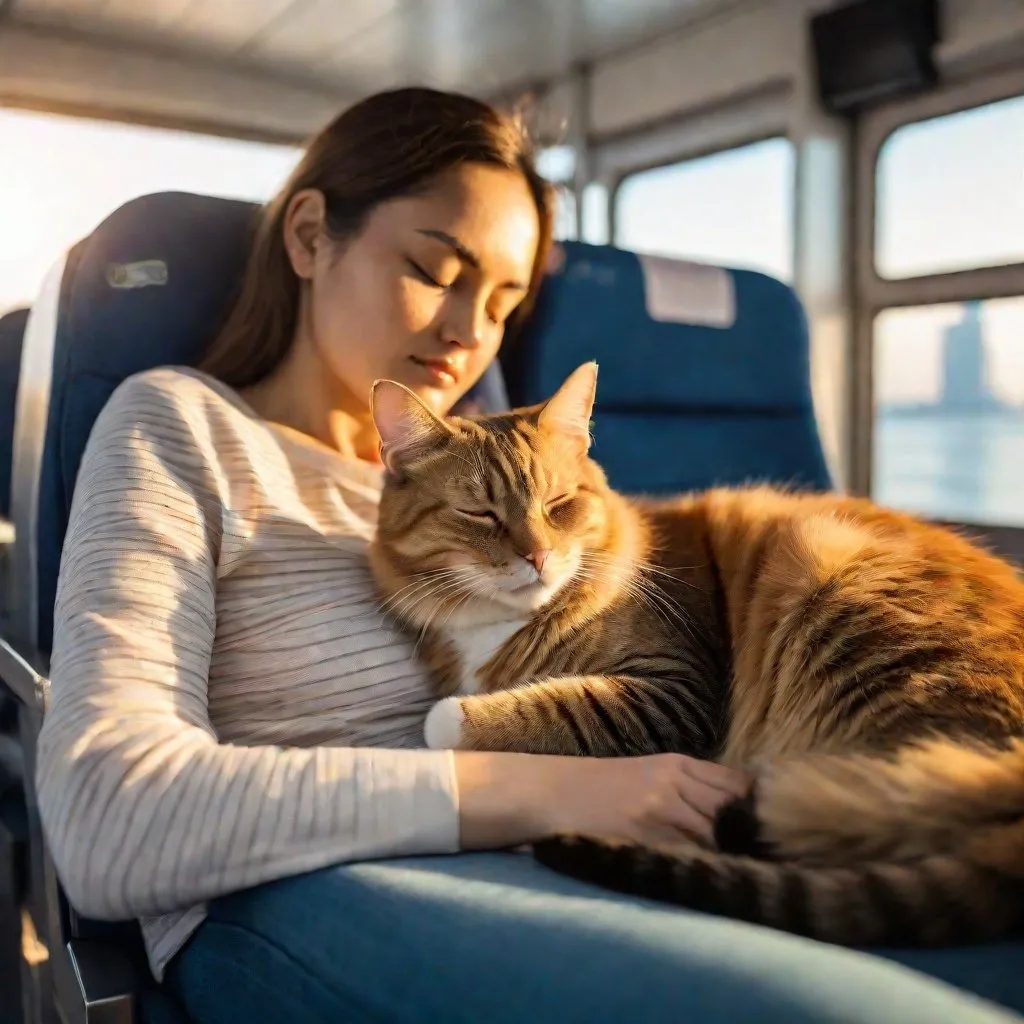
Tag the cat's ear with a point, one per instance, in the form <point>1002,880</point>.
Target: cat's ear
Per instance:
<point>569,410</point>
<point>406,426</point>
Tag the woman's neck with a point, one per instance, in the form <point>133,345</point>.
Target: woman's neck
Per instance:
<point>302,395</point>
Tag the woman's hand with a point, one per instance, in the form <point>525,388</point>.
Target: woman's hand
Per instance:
<point>657,799</point>
<point>508,799</point>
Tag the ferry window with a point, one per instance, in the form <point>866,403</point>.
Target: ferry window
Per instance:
<point>558,165</point>
<point>733,208</point>
<point>949,411</point>
<point>565,214</point>
<point>595,213</point>
<point>950,193</point>
<point>60,176</point>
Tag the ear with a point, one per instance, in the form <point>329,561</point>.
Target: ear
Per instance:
<point>569,410</point>
<point>406,426</point>
<point>303,229</point>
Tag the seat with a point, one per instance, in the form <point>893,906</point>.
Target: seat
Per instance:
<point>704,371</point>
<point>13,822</point>
<point>148,287</point>
<point>12,330</point>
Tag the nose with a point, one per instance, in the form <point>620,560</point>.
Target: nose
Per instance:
<point>466,326</point>
<point>537,559</point>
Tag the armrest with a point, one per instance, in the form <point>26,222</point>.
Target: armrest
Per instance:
<point>99,985</point>
<point>24,673</point>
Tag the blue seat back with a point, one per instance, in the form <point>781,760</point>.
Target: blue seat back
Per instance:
<point>149,287</point>
<point>12,331</point>
<point>704,372</point>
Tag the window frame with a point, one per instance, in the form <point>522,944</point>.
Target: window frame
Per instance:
<point>146,119</point>
<point>875,294</point>
<point>624,179</point>
<point>765,115</point>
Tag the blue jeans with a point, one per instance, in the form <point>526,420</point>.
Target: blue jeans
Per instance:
<point>494,938</point>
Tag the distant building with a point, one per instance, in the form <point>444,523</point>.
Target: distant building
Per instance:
<point>965,366</point>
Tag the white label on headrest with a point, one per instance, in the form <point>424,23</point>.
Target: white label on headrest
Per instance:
<point>137,275</point>
<point>688,293</point>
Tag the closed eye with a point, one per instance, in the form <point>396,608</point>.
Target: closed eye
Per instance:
<point>479,516</point>
<point>556,503</point>
<point>425,277</point>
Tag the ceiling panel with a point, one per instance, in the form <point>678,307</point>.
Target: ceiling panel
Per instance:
<point>465,44</point>
<point>478,46</point>
<point>310,30</point>
<point>196,26</point>
<point>104,17</point>
<point>484,45</point>
<point>229,26</point>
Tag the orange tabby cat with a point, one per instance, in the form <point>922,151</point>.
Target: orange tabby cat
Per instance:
<point>869,667</point>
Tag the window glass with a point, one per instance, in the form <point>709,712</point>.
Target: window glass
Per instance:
<point>557,163</point>
<point>733,208</point>
<point>949,411</point>
<point>60,176</point>
<point>595,213</point>
<point>950,193</point>
<point>565,214</point>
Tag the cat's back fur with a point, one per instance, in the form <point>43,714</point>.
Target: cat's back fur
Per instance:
<point>867,666</point>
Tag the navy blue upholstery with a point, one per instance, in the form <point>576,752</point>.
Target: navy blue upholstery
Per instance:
<point>12,330</point>
<point>185,254</point>
<point>680,405</point>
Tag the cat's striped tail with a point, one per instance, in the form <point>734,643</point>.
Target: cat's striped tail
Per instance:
<point>924,847</point>
<point>935,901</point>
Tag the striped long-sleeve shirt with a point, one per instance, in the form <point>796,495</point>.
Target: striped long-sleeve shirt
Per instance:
<point>228,704</point>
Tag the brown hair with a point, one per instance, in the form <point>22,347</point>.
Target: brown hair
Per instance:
<point>385,147</point>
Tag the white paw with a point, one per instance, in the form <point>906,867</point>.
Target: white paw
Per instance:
<point>443,727</point>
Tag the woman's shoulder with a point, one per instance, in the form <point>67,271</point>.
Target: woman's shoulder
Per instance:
<point>169,401</point>
<point>178,386</point>
<point>184,419</point>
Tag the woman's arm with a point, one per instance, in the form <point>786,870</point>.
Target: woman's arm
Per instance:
<point>145,811</point>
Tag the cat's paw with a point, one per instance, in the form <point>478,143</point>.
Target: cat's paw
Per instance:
<point>443,727</point>
<point>738,830</point>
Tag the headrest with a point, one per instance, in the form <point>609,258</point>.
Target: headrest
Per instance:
<point>12,330</point>
<point>704,371</point>
<point>668,334</point>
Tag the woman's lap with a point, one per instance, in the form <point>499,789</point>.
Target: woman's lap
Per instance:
<point>496,937</point>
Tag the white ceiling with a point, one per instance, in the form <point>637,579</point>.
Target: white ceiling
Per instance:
<point>481,46</point>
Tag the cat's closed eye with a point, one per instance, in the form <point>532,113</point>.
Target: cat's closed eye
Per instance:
<point>562,499</point>
<point>480,515</point>
<point>560,508</point>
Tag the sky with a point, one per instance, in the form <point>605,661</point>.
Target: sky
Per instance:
<point>950,196</point>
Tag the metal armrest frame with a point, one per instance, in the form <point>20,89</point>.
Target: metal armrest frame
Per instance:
<point>81,981</point>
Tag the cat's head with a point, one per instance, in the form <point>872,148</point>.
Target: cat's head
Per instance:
<point>499,509</point>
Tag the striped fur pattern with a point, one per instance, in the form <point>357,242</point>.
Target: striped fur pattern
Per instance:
<point>866,666</point>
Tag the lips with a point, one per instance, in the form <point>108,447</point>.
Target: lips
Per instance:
<point>439,372</point>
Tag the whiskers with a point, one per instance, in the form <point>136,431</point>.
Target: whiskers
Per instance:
<point>435,586</point>
<point>434,593</point>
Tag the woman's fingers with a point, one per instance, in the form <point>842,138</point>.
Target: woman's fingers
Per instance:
<point>729,780</point>
<point>704,799</point>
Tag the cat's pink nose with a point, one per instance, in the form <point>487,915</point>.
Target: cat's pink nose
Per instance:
<point>537,559</point>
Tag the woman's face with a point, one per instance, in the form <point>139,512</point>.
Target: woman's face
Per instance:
<point>422,294</point>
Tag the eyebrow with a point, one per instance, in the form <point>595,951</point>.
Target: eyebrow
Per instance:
<point>464,253</point>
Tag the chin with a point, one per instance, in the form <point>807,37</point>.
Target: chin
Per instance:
<point>535,594</point>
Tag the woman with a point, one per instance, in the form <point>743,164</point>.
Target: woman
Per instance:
<point>229,707</point>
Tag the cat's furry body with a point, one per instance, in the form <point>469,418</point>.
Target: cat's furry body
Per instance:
<point>867,666</point>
